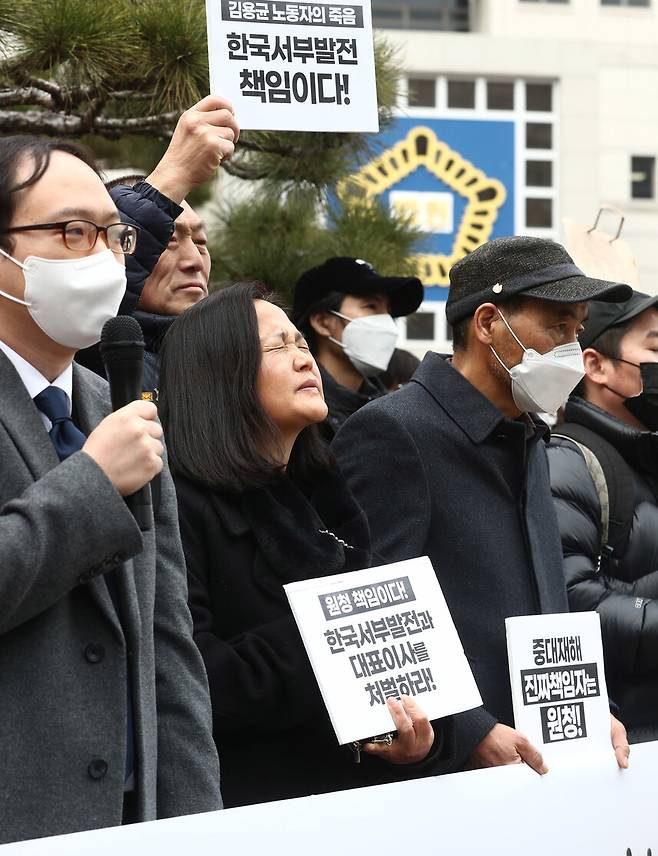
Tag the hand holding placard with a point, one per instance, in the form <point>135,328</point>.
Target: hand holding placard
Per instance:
<point>504,745</point>
<point>205,135</point>
<point>415,734</point>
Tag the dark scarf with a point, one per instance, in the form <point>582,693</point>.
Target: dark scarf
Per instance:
<point>301,535</point>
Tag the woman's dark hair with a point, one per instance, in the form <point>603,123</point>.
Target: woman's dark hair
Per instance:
<point>215,426</point>
<point>14,151</point>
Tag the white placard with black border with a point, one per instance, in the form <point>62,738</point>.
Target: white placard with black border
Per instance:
<point>294,66</point>
<point>558,684</point>
<point>379,633</point>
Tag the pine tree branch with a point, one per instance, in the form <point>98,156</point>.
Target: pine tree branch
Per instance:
<point>246,172</point>
<point>163,124</point>
<point>58,124</point>
<point>37,122</point>
<point>28,95</point>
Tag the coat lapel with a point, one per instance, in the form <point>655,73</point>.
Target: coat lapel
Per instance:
<point>23,422</point>
<point>90,407</point>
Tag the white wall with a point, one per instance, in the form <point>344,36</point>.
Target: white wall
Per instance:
<point>605,61</point>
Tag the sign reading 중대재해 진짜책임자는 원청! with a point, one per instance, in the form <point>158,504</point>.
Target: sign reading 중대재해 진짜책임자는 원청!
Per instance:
<point>294,66</point>
<point>558,683</point>
<point>381,633</point>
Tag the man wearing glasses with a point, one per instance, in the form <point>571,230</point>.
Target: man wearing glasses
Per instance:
<point>105,714</point>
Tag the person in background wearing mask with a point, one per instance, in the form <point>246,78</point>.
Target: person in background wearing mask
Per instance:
<point>345,309</point>
<point>105,714</point>
<point>170,268</point>
<point>604,477</point>
<point>453,466</point>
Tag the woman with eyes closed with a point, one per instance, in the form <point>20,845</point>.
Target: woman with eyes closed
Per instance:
<point>261,504</point>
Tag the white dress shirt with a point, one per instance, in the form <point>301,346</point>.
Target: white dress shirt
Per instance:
<point>35,382</point>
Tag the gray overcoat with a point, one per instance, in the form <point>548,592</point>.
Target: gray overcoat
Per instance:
<point>64,656</point>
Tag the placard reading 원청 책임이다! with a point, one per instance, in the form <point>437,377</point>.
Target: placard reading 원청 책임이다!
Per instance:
<point>558,683</point>
<point>381,633</point>
<point>294,66</point>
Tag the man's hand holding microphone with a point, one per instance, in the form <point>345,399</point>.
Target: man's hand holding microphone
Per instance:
<point>127,446</point>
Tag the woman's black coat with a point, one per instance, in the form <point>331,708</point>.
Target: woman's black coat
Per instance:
<point>273,734</point>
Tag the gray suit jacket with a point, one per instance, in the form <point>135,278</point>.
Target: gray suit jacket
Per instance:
<point>64,656</point>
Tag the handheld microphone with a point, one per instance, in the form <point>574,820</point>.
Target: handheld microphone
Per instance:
<point>122,351</point>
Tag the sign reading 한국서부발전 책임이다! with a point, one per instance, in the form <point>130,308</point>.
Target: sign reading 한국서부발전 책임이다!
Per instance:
<point>558,683</point>
<point>381,633</point>
<point>294,66</point>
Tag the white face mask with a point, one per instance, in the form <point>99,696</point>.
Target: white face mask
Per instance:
<point>541,383</point>
<point>71,299</point>
<point>369,342</point>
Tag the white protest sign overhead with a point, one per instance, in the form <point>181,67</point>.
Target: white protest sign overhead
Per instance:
<point>288,66</point>
<point>378,634</point>
<point>558,683</point>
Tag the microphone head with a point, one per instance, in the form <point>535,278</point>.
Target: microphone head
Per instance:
<point>123,330</point>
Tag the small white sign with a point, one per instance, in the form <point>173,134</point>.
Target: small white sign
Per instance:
<point>558,683</point>
<point>431,211</point>
<point>294,66</point>
<point>381,633</point>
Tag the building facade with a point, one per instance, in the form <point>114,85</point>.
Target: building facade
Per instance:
<point>516,114</point>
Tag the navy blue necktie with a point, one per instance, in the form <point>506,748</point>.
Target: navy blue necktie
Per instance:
<point>67,439</point>
<point>54,403</point>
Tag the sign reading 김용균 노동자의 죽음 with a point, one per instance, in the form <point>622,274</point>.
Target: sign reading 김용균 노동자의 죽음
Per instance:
<point>294,66</point>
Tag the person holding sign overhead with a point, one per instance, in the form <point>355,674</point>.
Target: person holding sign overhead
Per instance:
<point>261,505</point>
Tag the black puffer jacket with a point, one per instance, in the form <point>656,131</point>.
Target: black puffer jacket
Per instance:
<point>625,591</point>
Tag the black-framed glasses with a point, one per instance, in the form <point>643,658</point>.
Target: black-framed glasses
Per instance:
<point>81,235</point>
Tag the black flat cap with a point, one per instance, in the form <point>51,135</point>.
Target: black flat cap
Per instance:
<point>602,316</point>
<point>355,276</point>
<point>533,267</point>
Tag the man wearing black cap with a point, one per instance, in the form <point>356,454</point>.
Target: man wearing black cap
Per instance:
<point>345,310</point>
<point>453,466</point>
<point>604,477</point>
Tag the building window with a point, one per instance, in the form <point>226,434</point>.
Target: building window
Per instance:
<point>422,93</point>
<point>625,2</point>
<point>539,135</point>
<point>420,325</point>
<point>539,213</point>
<point>461,93</point>
<point>452,15</point>
<point>539,96</point>
<point>539,173</point>
<point>642,177</point>
<point>500,96</point>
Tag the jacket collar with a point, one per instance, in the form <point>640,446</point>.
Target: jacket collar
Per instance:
<point>23,422</point>
<point>153,327</point>
<point>345,399</point>
<point>639,448</point>
<point>227,507</point>
<point>472,411</point>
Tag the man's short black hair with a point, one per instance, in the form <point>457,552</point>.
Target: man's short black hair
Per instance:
<point>13,152</point>
<point>608,344</point>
